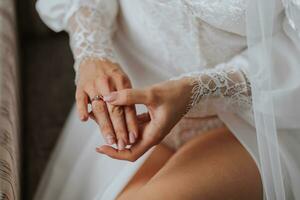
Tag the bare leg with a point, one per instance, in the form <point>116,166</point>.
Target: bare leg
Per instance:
<point>152,165</point>
<point>213,166</point>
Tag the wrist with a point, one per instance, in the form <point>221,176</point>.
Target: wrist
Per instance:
<point>85,64</point>
<point>186,92</point>
<point>90,60</point>
<point>187,85</point>
<point>97,66</point>
<point>91,68</point>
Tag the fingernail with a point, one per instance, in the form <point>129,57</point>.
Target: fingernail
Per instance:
<point>110,140</point>
<point>98,149</point>
<point>121,145</point>
<point>131,138</point>
<point>135,135</point>
<point>110,97</point>
<point>82,117</point>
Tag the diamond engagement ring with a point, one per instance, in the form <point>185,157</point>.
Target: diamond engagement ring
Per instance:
<point>97,98</point>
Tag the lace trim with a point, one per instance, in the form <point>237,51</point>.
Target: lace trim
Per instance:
<point>188,128</point>
<point>90,36</point>
<point>227,87</point>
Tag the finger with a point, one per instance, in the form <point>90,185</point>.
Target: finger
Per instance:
<point>119,123</point>
<point>82,104</point>
<point>122,82</point>
<point>128,97</point>
<point>101,115</point>
<point>103,120</point>
<point>92,116</point>
<point>132,123</point>
<point>131,154</point>
<point>116,114</point>
<point>135,152</point>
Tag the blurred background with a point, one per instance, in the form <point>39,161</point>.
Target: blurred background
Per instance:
<point>47,91</point>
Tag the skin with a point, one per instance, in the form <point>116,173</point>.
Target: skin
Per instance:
<point>212,166</point>
<point>161,118</point>
<point>118,124</point>
<point>156,161</point>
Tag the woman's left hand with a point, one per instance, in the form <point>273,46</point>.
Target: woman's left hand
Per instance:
<point>166,102</point>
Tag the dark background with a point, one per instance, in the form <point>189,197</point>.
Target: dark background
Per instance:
<point>47,91</point>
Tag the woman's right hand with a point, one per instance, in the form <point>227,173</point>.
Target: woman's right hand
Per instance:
<point>118,124</point>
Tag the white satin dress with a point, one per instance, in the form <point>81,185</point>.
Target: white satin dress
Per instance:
<point>153,41</point>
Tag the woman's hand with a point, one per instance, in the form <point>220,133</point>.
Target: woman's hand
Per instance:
<point>118,123</point>
<point>166,102</point>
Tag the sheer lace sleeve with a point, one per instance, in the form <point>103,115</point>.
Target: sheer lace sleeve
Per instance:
<point>90,24</point>
<point>91,28</point>
<point>225,87</point>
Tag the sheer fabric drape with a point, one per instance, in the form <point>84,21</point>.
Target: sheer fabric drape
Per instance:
<point>274,94</point>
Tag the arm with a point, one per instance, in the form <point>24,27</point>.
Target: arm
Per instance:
<point>91,25</point>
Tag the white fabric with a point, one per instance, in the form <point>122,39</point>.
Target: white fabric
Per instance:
<point>224,87</point>
<point>268,44</point>
<point>260,32</point>
<point>142,37</point>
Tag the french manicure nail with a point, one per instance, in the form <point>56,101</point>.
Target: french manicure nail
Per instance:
<point>82,117</point>
<point>110,97</point>
<point>110,140</point>
<point>98,150</point>
<point>131,137</point>
<point>121,145</point>
<point>135,135</point>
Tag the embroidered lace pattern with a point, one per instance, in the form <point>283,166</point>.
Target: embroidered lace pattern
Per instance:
<point>91,31</point>
<point>224,87</point>
<point>188,128</point>
<point>227,15</point>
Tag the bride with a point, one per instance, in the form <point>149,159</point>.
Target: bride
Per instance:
<point>200,95</point>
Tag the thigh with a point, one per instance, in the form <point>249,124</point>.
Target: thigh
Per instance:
<point>212,166</point>
<point>152,165</point>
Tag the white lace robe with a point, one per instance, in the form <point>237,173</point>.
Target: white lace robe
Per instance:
<point>153,40</point>
<point>187,48</point>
